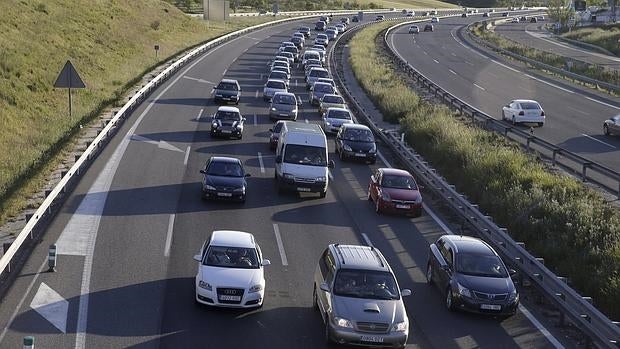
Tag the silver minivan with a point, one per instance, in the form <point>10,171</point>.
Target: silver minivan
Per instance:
<point>359,298</point>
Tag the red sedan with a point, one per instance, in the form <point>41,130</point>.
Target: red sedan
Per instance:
<point>275,134</point>
<point>395,191</point>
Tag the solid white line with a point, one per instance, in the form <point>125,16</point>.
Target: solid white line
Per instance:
<point>541,328</point>
<point>436,61</point>
<point>505,66</point>
<point>383,159</point>
<point>199,114</point>
<point>169,236</point>
<point>578,111</point>
<point>468,62</point>
<point>260,161</point>
<point>367,240</point>
<point>224,72</point>
<point>598,140</point>
<point>276,230</point>
<point>603,103</point>
<point>548,83</point>
<point>452,71</point>
<point>186,155</point>
<point>480,87</point>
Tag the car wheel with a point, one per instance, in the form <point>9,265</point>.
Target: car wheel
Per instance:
<point>241,136</point>
<point>606,130</point>
<point>429,274</point>
<point>449,300</point>
<point>328,338</point>
<point>540,124</point>
<point>315,302</point>
<point>378,206</point>
<point>212,134</point>
<point>514,120</point>
<point>342,156</point>
<point>323,194</point>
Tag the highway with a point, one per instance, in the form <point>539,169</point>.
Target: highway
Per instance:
<point>127,234</point>
<point>536,36</point>
<point>574,115</point>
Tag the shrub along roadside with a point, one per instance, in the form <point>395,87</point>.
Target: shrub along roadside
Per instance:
<point>605,36</point>
<point>572,227</point>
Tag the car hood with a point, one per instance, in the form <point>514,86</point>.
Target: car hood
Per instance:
<point>230,123</point>
<point>305,171</point>
<point>231,277</point>
<point>486,284</point>
<point>336,122</point>
<point>402,194</point>
<point>222,181</point>
<point>359,146</point>
<point>284,107</point>
<point>226,92</point>
<point>369,310</point>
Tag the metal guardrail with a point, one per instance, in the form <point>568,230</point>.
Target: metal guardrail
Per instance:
<point>541,65</point>
<point>55,197</point>
<point>595,325</point>
<point>589,170</point>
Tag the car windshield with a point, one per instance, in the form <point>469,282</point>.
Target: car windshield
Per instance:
<point>480,265</point>
<point>338,114</point>
<point>232,257</point>
<point>225,169</point>
<point>398,182</point>
<point>228,86</point>
<point>227,115</point>
<point>277,128</point>
<point>320,73</point>
<point>357,135</point>
<point>333,99</point>
<point>278,75</point>
<point>276,84</point>
<point>284,99</point>
<point>366,284</point>
<point>305,155</point>
<point>324,88</point>
<point>529,105</point>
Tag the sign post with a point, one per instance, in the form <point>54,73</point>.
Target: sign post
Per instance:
<point>69,78</point>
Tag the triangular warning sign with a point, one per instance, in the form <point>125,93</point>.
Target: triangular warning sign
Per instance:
<point>69,78</point>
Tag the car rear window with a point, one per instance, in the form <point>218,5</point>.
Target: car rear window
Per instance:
<point>339,114</point>
<point>333,99</point>
<point>228,86</point>
<point>284,99</point>
<point>319,73</point>
<point>278,75</point>
<point>529,105</point>
<point>276,84</point>
<point>325,88</point>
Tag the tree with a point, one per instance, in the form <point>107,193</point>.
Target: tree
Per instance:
<point>561,12</point>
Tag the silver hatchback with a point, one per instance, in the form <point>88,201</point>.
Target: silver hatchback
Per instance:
<point>284,105</point>
<point>359,299</point>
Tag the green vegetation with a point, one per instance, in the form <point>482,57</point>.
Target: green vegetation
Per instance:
<point>111,45</point>
<point>606,36</point>
<point>581,68</point>
<point>572,227</point>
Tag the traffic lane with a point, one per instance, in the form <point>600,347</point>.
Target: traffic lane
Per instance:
<point>447,69</point>
<point>535,36</point>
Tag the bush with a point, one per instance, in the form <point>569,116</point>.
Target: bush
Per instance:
<point>572,227</point>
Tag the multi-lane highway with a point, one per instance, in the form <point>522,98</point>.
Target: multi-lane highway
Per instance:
<point>127,235</point>
<point>574,115</point>
<point>536,36</point>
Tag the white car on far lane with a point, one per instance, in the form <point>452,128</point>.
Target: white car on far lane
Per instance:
<point>524,110</point>
<point>230,271</point>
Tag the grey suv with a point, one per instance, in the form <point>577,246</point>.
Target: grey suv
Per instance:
<point>359,299</point>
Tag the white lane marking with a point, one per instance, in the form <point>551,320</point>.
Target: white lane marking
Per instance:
<point>452,53</point>
<point>452,71</point>
<point>598,140</point>
<point>255,120</point>
<point>436,218</point>
<point>306,120</point>
<point>199,80</point>
<point>260,162</point>
<point>256,94</point>
<point>436,61</point>
<point>367,240</point>
<point>548,83</point>
<point>199,114</point>
<point>425,53</point>
<point>505,66</point>
<point>168,243</point>
<point>224,72</point>
<point>21,301</point>
<point>540,327</point>
<point>160,144</point>
<point>468,62</point>
<point>603,103</point>
<point>186,155</point>
<point>480,87</point>
<point>276,231</point>
<point>52,306</point>
<point>578,110</point>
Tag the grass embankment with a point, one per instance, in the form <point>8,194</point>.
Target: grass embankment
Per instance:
<point>606,36</point>
<point>109,42</point>
<point>572,227</point>
<point>581,68</point>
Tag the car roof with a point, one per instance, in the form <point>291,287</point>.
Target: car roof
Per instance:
<point>230,81</point>
<point>356,126</point>
<point>525,101</point>
<point>229,109</point>
<point>285,93</point>
<point>317,68</point>
<point>232,238</point>
<point>276,80</point>
<point>394,171</point>
<point>224,159</point>
<point>360,257</point>
<point>468,244</point>
<point>338,109</point>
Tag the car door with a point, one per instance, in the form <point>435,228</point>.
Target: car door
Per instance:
<point>615,126</point>
<point>326,272</point>
<point>445,274</point>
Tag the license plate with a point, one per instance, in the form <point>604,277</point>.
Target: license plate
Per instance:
<point>490,307</point>
<point>360,155</point>
<point>226,131</point>
<point>374,339</point>
<point>284,115</point>
<point>224,194</point>
<point>303,189</point>
<point>230,298</point>
<point>403,206</point>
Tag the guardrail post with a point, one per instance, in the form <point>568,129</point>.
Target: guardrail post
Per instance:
<point>553,158</point>
<point>585,166</point>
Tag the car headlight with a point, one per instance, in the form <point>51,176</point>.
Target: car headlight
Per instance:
<point>373,149</point>
<point>239,127</point>
<point>347,147</point>
<point>463,291</point>
<point>327,123</point>
<point>256,288</point>
<point>240,190</point>
<point>513,296</point>
<point>288,176</point>
<point>209,187</point>
<point>321,179</point>
<point>203,284</point>
<point>342,322</point>
<point>214,125</point>
<point>385,196</point>
<point>400,326</point>
<point>274,109</point>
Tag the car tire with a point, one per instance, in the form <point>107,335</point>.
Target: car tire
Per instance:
<point>449,300</point>
<point>429,274</point>
<point>541,124</point>
<point>241,136</point>
<point>606,130</point>
<point>342,156</point>
<point>323,194</point>
<point>328,338</point>
<point>315,302</point>
<point>212,134</point>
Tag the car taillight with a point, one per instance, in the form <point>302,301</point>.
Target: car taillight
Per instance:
<point>521,113</point>
<point>542,113</point>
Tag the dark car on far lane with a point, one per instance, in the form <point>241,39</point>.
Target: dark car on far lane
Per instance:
<point>224,178</point>
<point>471,276</point>
<point>275,134</point>
<point>227,90</point>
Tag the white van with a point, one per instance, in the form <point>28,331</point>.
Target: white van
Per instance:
<point>302,164</point>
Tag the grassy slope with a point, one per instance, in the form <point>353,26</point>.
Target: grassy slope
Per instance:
<point>606,37</point>
<point>110,42</point>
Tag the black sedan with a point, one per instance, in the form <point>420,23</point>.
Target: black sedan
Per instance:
<point>472,276</point>
<point>224,178</point>
<point>356,141</point>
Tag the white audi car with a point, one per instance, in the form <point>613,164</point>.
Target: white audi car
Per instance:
<point>524,110</point>
<point>230,271</point>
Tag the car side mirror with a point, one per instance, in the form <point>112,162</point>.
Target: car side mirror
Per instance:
<point>324,287</point>
<point>203,171</point>
<point>373,179</point>
<point>265,262</point>
<point>512,272</point>
<point>405,292</point>
<point>279,159</point>
<point>331,164</point>
<point>248,175</point>
<point>198,258</point>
